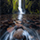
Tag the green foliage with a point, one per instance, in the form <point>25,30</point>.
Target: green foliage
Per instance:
<point>28,5</point>
<point>9,2</point>
<point>15,5</point>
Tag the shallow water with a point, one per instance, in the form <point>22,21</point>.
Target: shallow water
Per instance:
<point>9,36</point>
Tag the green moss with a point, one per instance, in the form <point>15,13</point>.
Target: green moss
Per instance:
<point>9,2</point>
<point>37,11</point>
<point>15,3</point>
<point>28,5</point>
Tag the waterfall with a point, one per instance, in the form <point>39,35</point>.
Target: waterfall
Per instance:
<point>20,11</point>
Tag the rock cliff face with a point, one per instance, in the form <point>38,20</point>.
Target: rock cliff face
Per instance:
<point>31,6</point>
<point>6,7</point>
<point>10,6</point>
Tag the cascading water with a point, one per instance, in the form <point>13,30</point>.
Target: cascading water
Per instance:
<point>29,32</point>
<point>20,11</point>
<point>24,33</point>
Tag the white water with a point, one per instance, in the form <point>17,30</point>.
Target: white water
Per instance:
<point>11,35</point>
<point>20,17</point>
<point>27,35</point>
<point>20,11</point>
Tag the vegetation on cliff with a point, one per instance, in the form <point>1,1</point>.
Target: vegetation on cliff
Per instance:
<point>31,6</point>
<point>11,6</point>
